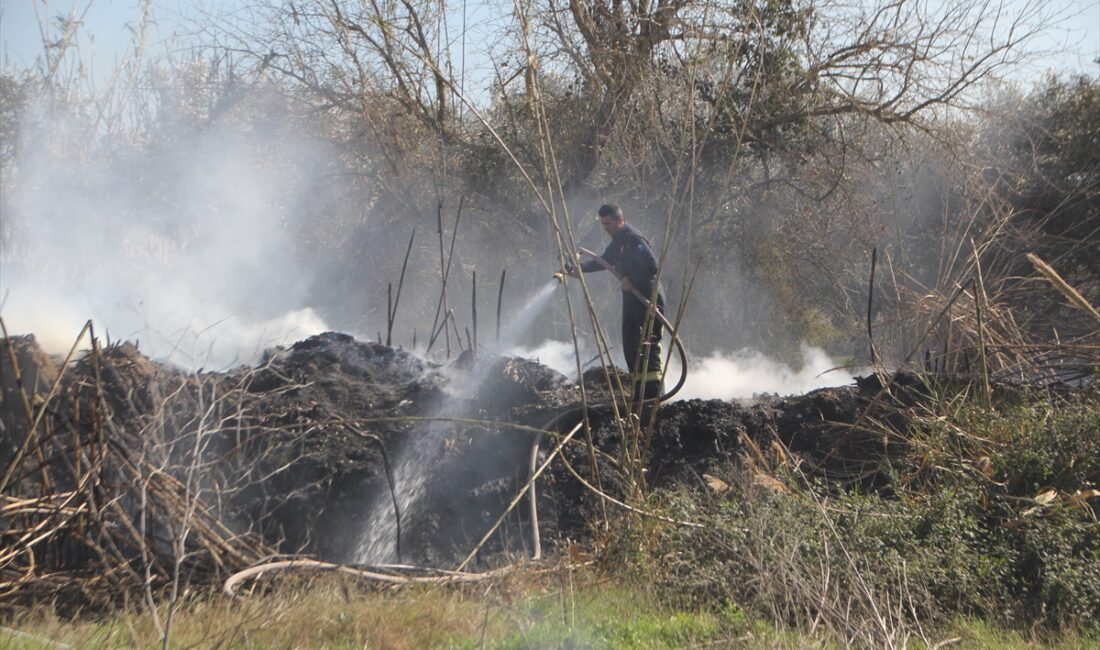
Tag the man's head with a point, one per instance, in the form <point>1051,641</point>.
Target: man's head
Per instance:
<point>611,218</point>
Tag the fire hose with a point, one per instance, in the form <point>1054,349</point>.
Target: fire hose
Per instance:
<point>676,340</point>
<point>533,473</point>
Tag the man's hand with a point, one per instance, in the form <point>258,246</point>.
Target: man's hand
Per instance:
<point>625,284</point>
<point>573,272</point>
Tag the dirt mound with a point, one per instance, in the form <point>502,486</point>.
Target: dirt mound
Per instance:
<point>296,455</point>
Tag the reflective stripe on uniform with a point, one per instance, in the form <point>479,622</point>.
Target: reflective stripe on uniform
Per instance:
<point>652,375</point>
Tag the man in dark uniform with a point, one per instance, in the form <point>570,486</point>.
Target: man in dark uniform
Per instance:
<point>631,255</point>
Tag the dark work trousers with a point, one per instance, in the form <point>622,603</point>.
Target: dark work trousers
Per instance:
<point>634,313</point>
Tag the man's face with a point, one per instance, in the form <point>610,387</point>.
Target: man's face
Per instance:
<point>611,224</point>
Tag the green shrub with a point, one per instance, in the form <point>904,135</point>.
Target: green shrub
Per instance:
<point>981,521</point>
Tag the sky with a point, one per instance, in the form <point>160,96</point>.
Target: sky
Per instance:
<point>1076,36</point>
<point>107,28</point>
<point>107,25</point>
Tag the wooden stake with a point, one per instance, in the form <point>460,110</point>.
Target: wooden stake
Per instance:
<point>500,300</point>
<point>473,310</point>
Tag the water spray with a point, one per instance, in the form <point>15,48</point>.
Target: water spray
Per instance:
<point>382,538</point>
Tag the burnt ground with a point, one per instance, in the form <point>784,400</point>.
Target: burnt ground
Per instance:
<point>287,456</point>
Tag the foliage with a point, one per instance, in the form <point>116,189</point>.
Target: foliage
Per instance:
<point>1054,161</point>
<point>988,520</point>
<point>740,128</point>
<point>1041,152</point>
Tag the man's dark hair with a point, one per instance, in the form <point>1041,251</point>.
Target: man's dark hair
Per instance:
<point>611,210</point>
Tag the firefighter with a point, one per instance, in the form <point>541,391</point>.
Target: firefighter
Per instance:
<point>631,255</point>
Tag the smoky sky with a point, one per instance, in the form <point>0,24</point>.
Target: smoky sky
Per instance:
<point>196,235</point>
<point>184,239</point>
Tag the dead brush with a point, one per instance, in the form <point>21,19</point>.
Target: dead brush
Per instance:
<point>812,547</point>
<point>982,338</point>
<point>834,589</point>
<point>787,551</point>
<point>117,499</point>
<point>1010,323</point>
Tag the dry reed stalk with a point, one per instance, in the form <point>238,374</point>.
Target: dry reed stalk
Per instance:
<point>33,423</point>
<point>391,314</point>
<point>473,311</point>
<point>500,300</point>
<point>979,297</point>
<point>445,274</point>
<point>1068,291</point>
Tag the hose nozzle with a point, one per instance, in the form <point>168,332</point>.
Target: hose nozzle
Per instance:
<point>560,277</point>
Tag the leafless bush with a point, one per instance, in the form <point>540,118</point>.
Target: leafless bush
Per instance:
<point>116,496</point>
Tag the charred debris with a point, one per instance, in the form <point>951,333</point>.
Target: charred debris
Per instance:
<point>120,472</point>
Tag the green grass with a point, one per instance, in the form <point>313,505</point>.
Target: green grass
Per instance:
<point>548,611</point>
<point>574,611</point>
<point>604,617</point>
<point>974,634</point>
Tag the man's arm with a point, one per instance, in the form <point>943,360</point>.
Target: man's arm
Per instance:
<point>608,255</point>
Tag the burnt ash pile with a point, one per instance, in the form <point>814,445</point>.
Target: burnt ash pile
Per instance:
<point>694,441</point>
<point>135,466</point>
<point>317,419</point>
<point>326,416</point>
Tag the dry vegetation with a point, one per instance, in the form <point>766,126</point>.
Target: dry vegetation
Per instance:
<point>817,173</point>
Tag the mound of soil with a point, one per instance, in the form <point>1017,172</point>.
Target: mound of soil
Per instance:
<point>292,455</point>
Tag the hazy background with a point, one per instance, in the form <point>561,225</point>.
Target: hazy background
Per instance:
<point>216,180</point>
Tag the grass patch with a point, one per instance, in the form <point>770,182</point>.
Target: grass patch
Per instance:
<point>975,634</point>
<point>566,610</point>
<point>322,613</point>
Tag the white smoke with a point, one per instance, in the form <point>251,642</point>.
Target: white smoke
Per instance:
<point>747,372</point>
<point>724,376</point>
<point>552,354</point>
<point>188,245</point>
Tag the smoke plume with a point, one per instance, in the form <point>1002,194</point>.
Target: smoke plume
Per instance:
<point>188,245</point>
<point>724,376</point>
<point>745,373</point>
